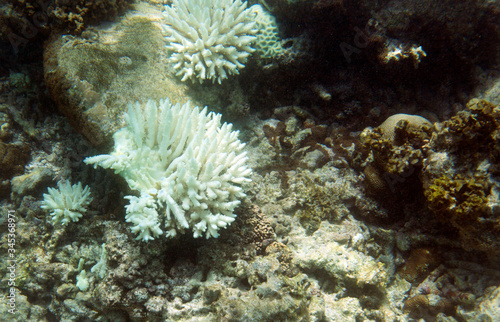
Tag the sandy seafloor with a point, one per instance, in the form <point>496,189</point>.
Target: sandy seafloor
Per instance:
<point>372,129</point>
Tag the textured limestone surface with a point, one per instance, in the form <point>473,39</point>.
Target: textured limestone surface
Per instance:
<point>490,306</point>
<point>320,252</point>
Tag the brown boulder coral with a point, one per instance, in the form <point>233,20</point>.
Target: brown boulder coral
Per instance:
<point>391,127</point>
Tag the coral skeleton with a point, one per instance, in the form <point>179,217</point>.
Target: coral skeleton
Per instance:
<point>186,167</point>
<point>396,53</point>
<point>208,39</point>
<point>67,203</point>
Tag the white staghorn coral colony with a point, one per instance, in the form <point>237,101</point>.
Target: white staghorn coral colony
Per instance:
<point>209,39</point>
<point>186,167</point>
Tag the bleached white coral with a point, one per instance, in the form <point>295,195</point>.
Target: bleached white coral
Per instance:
<point>67,203</point>
<point>399,52</point>
<point>101,267</point>
<point>208,39</point>
<point>185,165</point>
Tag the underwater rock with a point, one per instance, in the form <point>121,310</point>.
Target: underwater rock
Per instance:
<point>21,21</point>
<point>449,290</point>
<point>325,194</point>
<point>419,261</point>
<point>492,94</point>
<point>344,309</point>
<point>337,263</point>
<point>25,311</point>
<point>490,305</point>
<point>93,77</point>
<point>29,181</point>
<point>12,159</point>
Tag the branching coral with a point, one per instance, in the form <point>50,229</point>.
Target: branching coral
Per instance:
<point>185,165</point>
<point>67,203</point>
<point>208,39</point>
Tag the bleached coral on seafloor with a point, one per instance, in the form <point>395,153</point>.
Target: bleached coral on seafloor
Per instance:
<point>186,167</point>
<point>209,39</point>
<point>67,203</point>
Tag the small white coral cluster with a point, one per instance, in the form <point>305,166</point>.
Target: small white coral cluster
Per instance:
<point>399,52</point>
<point>186,167</point>
<point>68,203</point>
<point>208,39</point>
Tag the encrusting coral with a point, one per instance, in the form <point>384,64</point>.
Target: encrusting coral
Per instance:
<point>268,43</point>
<point>458,199</point>
<point>462,202</point>
<point>185,165</point>
<point>458,176</point>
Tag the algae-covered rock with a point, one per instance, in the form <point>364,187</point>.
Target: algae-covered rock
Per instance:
<point>93,77</point>
<point>460,174</point>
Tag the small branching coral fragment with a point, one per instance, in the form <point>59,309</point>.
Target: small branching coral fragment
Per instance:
<point>186,167</point>
<point>67,203</point>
